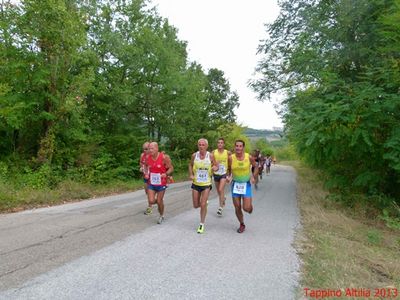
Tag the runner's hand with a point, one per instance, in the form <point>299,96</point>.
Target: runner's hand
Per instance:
<point>229,178</point>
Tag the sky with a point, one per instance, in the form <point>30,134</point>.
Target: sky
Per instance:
<point>225,34</point>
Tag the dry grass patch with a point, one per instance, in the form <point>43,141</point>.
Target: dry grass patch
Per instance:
<point>339,247</point>
<point>13,200</point>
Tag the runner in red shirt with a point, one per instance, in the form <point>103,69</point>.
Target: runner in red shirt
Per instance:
<point>159,168</point>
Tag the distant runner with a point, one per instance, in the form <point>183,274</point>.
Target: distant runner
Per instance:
<point>268,161</point>
<point>257,157</point>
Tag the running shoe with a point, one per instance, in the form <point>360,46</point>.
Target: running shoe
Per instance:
<point>148,211</point>
<point>241,228</point>
<point>200,229</point>
<point>160,220</point>
<point>219,211</point>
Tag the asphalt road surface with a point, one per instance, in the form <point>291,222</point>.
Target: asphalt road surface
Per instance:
<point>107,248</point>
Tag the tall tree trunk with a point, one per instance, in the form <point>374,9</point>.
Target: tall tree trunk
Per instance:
<point>46,144</point>
<point>15,138</point>
<point>158,134</point>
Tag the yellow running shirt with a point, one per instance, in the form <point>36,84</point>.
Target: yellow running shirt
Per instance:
<point>202,170</point>
<point>241,171</point>
<point>222,159</point>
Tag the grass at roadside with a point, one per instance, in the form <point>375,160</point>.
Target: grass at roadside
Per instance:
<point>12,200</point>
<point>343,247</point>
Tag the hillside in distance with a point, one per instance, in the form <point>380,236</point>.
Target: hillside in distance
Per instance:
<point>270,135</point>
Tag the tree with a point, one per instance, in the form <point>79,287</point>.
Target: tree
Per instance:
<point>84,83</point>
<point>230,132</point>
<point>41,69</point>
<point>220,100</point>
<point>262,145</point>
<point>338,63</point>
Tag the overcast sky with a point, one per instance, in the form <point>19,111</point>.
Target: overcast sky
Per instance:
<point>225,34</point>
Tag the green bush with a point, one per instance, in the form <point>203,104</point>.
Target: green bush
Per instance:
<point>43,177</point>
<point>3,171</point>
<point>286,152</point>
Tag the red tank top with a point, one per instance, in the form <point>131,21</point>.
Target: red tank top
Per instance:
<point>143,157</point>
<point>156,168</point>
<point>143,162</point>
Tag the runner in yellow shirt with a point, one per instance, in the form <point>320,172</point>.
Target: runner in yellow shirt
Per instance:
<point>239,170</point>
<point>221,157</point>
<point>201,166</point>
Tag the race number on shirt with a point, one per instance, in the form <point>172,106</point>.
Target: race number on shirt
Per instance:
<point>221,169</point>
<point>240,188</point>
<point>202,176</point>
<point>155,178</point>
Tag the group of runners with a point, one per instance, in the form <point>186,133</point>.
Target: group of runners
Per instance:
<point>262,162</point>
<point>240,169</point>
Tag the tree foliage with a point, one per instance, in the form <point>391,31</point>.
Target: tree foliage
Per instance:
<point>339,64</point>
<point>230,132</point>
<point>264,148</point>
<point>84,83</point>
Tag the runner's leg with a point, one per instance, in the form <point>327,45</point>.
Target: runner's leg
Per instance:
<point>160,202</point>
<point>196,198</point>
<point>149,209</point>
<point>221,192</point>
<point>203,205</point>
<point>247,205</point>
<point>238,209</point>
<point>151,197</point>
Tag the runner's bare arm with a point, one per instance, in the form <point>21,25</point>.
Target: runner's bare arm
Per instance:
<point>141,164</point>
<point>254,164</point>
<point>214,163</point>
<point>229,172</point>
<point>168,165</point>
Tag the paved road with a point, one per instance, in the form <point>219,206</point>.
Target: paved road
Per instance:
<point>107,249</point>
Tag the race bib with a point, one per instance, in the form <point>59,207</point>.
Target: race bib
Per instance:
<point>239,188</point>
<point>221,170</point>
<point>202,176</point>
<point>155,178</point>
